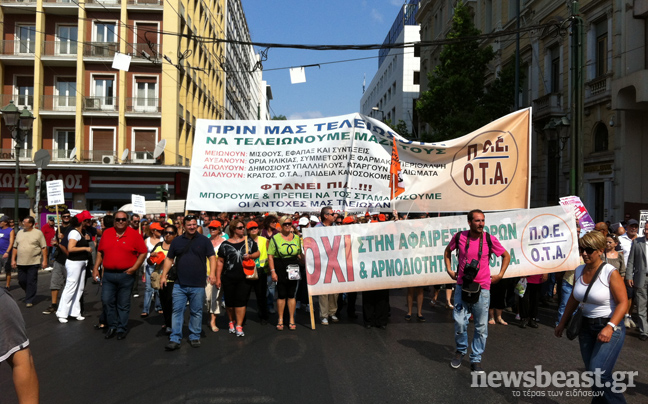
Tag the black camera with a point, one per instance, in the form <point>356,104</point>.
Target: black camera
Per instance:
<point>470,271</point>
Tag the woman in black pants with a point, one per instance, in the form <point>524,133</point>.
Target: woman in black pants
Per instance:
<point>157,258</point>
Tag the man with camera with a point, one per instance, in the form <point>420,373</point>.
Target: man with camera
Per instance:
<point>472,295</point>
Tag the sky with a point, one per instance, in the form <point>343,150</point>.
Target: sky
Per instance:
<point>331,89</point>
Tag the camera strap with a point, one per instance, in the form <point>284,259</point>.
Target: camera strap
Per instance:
<point>481,245</point>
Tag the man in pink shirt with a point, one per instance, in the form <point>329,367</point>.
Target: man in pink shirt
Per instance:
<point>473,274</point>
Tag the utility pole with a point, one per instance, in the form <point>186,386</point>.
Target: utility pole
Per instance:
<point>516,92</point>
<point>578,82</point>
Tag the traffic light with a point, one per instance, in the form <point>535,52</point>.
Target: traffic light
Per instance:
<point>31,186</point>
<point>43,191</point>
<point>163,193</point>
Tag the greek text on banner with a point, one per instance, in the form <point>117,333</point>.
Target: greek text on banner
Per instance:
<point>409,253</point>
<point>345,161</point>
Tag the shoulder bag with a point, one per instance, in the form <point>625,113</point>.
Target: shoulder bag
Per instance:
<point>574,325</point>
<point>249,266</point>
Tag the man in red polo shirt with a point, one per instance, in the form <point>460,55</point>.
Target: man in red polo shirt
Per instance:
<point>121,252</point>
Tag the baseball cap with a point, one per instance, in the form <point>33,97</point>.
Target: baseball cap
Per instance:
<point>381,217</point>
<point>4,218</point>
<point>314,219</point>
<point>304,221</point>
<point>84,215</point>
<point>632,221</point>
<point>162,214</point>
<point>251,224</point>
<point>348,219</point>
<point>214,223</point>
<point>156,226</point>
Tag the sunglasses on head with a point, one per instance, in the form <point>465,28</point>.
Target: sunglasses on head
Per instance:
<point>121,219</point>
<point>588,250</point>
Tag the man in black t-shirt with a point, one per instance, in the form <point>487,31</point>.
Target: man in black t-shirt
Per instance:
<point>59,274</point>
<point>190,252</point>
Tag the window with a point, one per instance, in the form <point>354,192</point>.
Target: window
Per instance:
<point>64,142</point>
<point>146,94</point>
<point>144,142</point>
<point>417,50</point>
<point>600,137</point>
<point>66,40</point>
<point>105,32</point>
<point>25,145</point>
<point>24,91</point>
<point>417,77</point>
<point>555,69</point>
<point>26,39</point>
<point>104,90</point>
<point>601,48</point>
<point>146,33</point>
<point>102,143</point>
<point>65,94</point>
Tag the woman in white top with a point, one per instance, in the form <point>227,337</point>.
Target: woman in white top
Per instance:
<point>150,293</point>
<point>602,332</point>
<point>78,254</point>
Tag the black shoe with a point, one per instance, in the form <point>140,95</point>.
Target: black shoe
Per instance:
<point>172,346</point>
<point>643,337</point>
<point>121,335</point>
<point>533,324</point>
<point>476,367</point>
<point>456,361</point>
<point>50,310</point>
<point>523,323</point>
<point>111,333</point>
<point>195,343</point>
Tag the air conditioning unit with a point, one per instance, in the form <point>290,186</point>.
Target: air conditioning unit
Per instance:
<point>93,103</point>
<point>108,159</point>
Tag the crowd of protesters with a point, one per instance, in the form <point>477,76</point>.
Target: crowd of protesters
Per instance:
<point>216,260</point>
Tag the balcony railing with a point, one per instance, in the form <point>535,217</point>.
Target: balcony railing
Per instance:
<point>107,104</point>
<point>58,103</point>
<point>98,156</point>
<point>100,49</point>
<point>550,104</point>
<point>17,47</point>
<point>599,86</point>
<point>18,1</point>
<point>70,2</point>
<point>104,2</point>
<point>61,155</point>
<point>144,105</point>
<point>19,100</point>
<point>60,48</point>
<point>142,157</point>
<point>9,154</point>
<point>137,48</point>
<point>146,2</point>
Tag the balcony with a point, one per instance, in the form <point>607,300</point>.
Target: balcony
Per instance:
<point>61,155</point>
<point>100,104</point>
<point>19,100</point>
<point>8,155</point>
<point>143,105</point>
<point>145,157</point>
<point>548,105</point>
<point>598,90</point>
<point>100,49</point>
<point>116,4</point>
<point>137,48</point>
<point>60,48</point>
<point>59,103</point>
<point>146,2</point>
<point>97,156</point>
<point>17,47</point>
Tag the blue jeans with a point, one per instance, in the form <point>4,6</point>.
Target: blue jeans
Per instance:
<point>149,292</point>
<point>566,291</point>
<point>602,355</point>
<point>461,316</point>
<point>116,298</point>
<point>196,297</point>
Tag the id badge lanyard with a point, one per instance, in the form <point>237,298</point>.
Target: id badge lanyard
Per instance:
<point>481,245</point>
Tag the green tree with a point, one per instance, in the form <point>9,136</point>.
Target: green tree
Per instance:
<point>457,101</point>
<point>279,118</point>
<point>400,128</point>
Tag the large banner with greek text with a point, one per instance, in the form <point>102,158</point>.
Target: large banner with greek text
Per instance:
<point>408,253</point>
<point>344,162</point>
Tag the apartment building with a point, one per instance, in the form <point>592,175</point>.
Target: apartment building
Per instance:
<point>394,89</point>
<point>608,155</point>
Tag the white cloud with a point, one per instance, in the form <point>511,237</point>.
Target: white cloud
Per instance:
<point>376,15</point>
<point>306,115</point>
<point>397,2</point>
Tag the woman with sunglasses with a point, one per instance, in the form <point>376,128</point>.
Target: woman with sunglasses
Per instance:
<point>229,274</point>
<point>268,226</point>
<point>149,293</point>
<point>212,293</point>
<point>602,331</point>
<point>156,258</point>
<point>284,257</point>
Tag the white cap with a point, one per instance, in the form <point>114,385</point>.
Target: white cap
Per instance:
<point>303,221</point>
<point>314,219</point>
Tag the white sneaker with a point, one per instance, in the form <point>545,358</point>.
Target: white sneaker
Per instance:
<point>80,318</point>
<point>626,321</point>
<point>632,323</point>
<point>62,320</point>
<point>517,317</point>
<point>334,318</point>
<point>325,321</point>
<point>48,269</point>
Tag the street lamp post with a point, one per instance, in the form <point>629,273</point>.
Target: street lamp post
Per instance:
<point>18,124</point>
<point>381,111</point>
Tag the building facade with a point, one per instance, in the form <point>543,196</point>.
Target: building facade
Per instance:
<point>601,160</point>
<point>56,58</point>
<point>393,91</point>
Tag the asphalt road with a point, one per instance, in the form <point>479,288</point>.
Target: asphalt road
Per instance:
<point>341,363</point>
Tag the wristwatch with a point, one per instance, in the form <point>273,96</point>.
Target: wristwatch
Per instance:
<point>614,327</point>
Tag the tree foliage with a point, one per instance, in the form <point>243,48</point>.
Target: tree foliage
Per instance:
<point>457,101</point>
<point>279,118</point>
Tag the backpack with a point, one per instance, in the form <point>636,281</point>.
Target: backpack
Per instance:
<point>488,241</point>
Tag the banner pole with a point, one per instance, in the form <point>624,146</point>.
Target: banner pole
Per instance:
<point>58,223</point>
<point>312,314</point>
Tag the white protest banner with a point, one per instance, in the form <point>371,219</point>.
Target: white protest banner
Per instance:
<point>139,204</point>
<point>55,192</point>
<point>643,218</point>
<point>409,253</point>
<point>344,162</point>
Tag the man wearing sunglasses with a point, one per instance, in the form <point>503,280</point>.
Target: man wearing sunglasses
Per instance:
<point>121,252</point>
<point>190,252</point>
<point>328,303</point>
<point>635,277</point>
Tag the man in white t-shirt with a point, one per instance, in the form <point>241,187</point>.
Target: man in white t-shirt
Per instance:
<point>632,228</point>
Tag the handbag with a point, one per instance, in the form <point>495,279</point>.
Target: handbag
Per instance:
<point>155,280</point>
<point>249,266</point>
<point>576,320</point>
